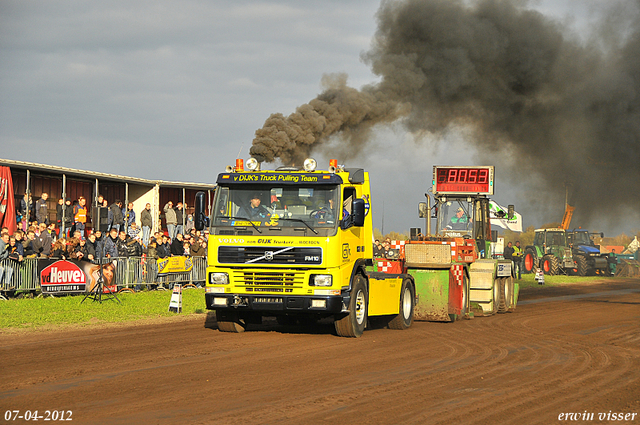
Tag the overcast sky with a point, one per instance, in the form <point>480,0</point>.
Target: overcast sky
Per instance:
<point>175,90</point>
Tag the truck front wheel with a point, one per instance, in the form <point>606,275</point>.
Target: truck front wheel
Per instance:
<point>353,324</point>
<point>407,302</point>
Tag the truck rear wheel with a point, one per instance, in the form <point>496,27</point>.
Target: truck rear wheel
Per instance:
<point>407,302</point>
<point>581,265</point>
<point>230,321</point>
<point>353,324</point>
<point>529,261</point>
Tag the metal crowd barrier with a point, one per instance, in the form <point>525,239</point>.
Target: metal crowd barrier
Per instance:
<point>130,273</point>
<point>134,272</point>
<point>19,275</point>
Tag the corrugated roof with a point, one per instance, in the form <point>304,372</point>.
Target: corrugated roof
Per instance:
<point>31,166</point>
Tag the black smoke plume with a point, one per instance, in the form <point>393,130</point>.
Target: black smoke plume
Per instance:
<point>565,108</point>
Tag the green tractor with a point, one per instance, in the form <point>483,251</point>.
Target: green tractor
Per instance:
<point>550,252</point>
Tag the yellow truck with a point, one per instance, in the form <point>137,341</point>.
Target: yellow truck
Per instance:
<point>296,243</point>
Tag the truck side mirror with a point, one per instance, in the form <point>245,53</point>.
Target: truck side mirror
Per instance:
<point>511,212</point>
<point>357,209</point>
<point>422,210</point>
<point>200,217</point>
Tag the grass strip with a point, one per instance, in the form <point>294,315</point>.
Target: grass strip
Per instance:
<point>528,280</point>
<point>34,313</point>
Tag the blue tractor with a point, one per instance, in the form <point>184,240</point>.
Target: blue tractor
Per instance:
<point>586,254</point>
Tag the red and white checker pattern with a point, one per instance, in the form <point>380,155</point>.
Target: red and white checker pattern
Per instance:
<point>397,244</point>
<point>389,267</point>
<point>384,266</point>
<point>457,271</point>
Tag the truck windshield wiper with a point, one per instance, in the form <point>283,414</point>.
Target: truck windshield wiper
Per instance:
<point>301,221</point>
<point>242,218</point>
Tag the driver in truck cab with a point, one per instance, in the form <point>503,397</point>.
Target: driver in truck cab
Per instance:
<point>458,221</point>
<point>255,209</point>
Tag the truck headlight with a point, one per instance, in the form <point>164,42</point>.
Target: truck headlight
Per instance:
<point>321,280</point>
<point>219,278</point>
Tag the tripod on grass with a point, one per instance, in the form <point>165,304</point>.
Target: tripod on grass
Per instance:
<point>98,293</point>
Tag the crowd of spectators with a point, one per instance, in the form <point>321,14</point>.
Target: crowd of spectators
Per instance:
<point>384,250</point>
<point>68,237</point>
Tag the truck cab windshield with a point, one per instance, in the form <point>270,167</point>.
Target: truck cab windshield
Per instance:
<point>581,238</point>
<point>455,218</point>
<point>285,209</point>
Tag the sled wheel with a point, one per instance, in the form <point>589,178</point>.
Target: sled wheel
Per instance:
<point>497,297</point>
<point>506,294</point>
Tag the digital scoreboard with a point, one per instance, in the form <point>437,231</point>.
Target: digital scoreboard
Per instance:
<point>477,180</point>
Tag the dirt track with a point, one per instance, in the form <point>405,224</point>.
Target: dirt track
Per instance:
<point>561,351</point>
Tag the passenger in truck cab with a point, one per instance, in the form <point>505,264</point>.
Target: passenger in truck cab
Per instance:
<point>325,213</point>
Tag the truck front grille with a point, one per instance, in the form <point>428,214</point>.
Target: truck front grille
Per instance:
<point>268,281</point>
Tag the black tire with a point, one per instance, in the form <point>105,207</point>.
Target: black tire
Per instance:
<point>230,321</point>
<point>529,261</point>
<point>581,265</point>
<point>511,306</point>
<point>506,295</point>
<point>404,319</point>
<point>497,295</point>
<point>352,325</point>
<point>550,265</point>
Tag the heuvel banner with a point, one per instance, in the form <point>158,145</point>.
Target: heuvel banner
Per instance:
<point>70,276</point>
<point>179,264</point>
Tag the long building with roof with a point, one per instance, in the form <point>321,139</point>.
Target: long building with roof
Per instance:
<point>34,179</point>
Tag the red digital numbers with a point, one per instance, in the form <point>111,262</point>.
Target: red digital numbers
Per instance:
<point>463,180</point>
